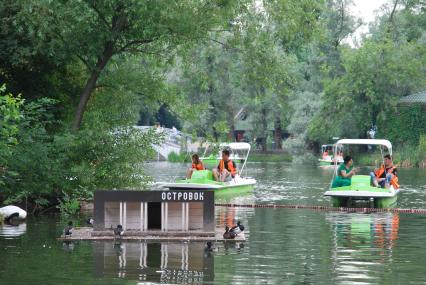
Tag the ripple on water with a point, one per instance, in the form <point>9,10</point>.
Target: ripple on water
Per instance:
<point>284,246</point>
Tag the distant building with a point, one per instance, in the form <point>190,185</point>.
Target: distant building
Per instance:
<point>414,99</point>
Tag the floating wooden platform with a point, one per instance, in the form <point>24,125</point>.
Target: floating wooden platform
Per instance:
<point>87,233</point>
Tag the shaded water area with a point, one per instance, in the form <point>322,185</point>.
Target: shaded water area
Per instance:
<point>284,246</point>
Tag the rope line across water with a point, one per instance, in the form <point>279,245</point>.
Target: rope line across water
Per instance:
<point>325,208</point>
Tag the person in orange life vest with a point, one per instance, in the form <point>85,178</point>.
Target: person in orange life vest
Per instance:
<point>196,165</point>
<point>226,169</point>
<point>386,175</point>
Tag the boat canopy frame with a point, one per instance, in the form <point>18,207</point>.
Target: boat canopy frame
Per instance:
<point>235,147</point>
<point>380,142</point>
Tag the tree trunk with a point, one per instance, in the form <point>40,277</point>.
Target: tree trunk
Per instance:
<point>278,133</point>
<point>265,129</point>
<point>231,133</point>
<point>91,84</point>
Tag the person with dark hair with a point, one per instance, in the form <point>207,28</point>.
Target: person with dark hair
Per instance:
<point>344,173</point>
<point>386,175</point>
<point>226,169</point>
<point>196,165</point>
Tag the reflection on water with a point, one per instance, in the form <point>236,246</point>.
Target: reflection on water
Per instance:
<point>166,262</point>
<point>362,245</point>
<point>10,231</point>
<point>284,246</point>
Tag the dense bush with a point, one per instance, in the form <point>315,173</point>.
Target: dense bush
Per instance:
<point>45,168</point>
<point>405,125</point>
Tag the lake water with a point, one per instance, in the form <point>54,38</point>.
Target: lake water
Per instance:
<point>284,246</point>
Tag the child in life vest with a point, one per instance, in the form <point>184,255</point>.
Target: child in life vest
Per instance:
<point>386,175</point>
<point>196,165</point>
<point>226,169</point>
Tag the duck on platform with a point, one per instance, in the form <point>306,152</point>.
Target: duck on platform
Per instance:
<point>68,229</point>
<point>11,212</point>
<point>89,222</point>
<point>238,228</point>
<point>228,234</point>
<point>118,231</point>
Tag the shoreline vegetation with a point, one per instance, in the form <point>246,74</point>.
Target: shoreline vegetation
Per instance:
<point>75,78</point>
<point>404,157</point>
<point>256,156</point>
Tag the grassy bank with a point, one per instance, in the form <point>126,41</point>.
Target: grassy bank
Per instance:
<point>253,157</point>
<point>270,157</point>
<point>402,157</point>
<point>182,157</point>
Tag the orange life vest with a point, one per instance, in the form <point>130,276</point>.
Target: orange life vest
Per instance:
<point>229,166</point>
<point>198,166</point>
<point>394,181</point>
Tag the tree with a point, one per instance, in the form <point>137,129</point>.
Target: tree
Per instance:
<point>209,93</point>
<point>374,77</point>
<point>267,77</point>
<point>97,31</point>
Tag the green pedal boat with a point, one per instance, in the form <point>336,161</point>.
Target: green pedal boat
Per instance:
<point>239,152</point>
<point>360,188</point>
<point>328,156</point>
<point>204,180</point>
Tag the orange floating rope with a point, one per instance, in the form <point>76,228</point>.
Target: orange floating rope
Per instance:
<point>326,208</point>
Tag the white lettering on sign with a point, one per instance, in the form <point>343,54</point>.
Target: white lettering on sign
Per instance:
<point>182,196</point>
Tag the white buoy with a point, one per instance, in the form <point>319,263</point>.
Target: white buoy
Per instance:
<point>8,211</point>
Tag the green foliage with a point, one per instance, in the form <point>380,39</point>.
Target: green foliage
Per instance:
<point>45,168</point>
<point>304,105</point>
<point>97,32</point>
<point>10,116</point>
<point>33,170</point>
<point>284,62</point>
<point>369,82</point>
<point>405,125</point>
<point>296,21</point>
<point>406,156</point>
<point>369,159</point>
<point>68,205</point>
<point>174,157</point>
<point>270,157</point>
<point>421,149</point>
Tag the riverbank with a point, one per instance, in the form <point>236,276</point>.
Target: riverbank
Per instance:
<point>253,157</point>
<point>270,157</point>
<point>400,159</point>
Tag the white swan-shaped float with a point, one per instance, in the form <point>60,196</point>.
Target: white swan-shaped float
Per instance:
<point>9,212</point>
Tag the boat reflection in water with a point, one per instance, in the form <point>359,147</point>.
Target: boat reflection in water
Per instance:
<point>363,245</point>
<point>166,262</point>
<point>12,231</point>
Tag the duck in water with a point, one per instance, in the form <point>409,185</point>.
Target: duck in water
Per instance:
<point>209,247</point>
<point>228,234</point>
<point>238,228</point>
